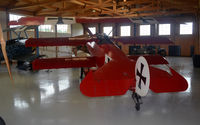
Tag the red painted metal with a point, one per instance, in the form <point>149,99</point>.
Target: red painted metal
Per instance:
<point>96,52</point>
<point>28,21</point>
<point>161,81</point>
<point>55,63</point>
<point>152,59</point>
<point>143,40</point>
<point>117,76</point>
<point>113,78</point>
<point>35,42</point>
<point>92,87</point>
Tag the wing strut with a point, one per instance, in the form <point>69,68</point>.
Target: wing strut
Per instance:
<point>3,48</point>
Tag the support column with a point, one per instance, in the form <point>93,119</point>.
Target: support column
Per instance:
<point>56,35</point>
<point>7,26</point>
<point>37,36</point>
<point>196,57</point>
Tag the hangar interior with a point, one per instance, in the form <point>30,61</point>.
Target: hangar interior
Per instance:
<point>52,96</point>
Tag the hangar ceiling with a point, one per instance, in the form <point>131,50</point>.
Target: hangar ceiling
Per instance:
<point>101,8</point>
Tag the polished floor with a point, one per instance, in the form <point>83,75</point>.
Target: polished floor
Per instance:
<point>53,98</point>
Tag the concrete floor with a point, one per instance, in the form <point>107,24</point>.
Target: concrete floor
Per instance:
<point>53,98</point>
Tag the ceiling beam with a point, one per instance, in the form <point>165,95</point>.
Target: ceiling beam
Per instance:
<point>34,4</point>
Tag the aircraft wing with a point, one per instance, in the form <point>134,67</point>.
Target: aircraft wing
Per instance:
<point>62,41</point>
<point>143,40</point>
<point>56,63</point>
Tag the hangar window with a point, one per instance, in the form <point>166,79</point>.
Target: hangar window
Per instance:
<point>63,28</point>
<point>145,30</point>
<point>108,30</point>
<point>164,29</point>
<point>125,30</point>
<point>92,29</point>
<point>45,28</point>
<point>186,28</point>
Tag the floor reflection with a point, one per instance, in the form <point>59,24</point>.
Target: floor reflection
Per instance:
<point>189,84</point>
<point>47,89</point>
<point>20,103</point>
<point>63,85</point>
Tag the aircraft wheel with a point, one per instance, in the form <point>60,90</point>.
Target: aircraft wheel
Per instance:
<point>137,106</point>
<point>2,122</point>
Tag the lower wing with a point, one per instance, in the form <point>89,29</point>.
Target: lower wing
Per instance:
<point>56,63</point>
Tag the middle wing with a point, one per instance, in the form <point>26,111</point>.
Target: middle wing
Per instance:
<point>62,41</point>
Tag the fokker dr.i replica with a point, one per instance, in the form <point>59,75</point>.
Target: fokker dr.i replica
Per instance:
<point>115,72</point>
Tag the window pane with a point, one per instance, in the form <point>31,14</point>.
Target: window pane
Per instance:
<point>108,30</point>
<point>62,28</point>
<point>92,29</point>
<point>145,30</point>
<point>45,28</point>
<point>125,30</point>
<point>186,28</point>
<point>164,29</point>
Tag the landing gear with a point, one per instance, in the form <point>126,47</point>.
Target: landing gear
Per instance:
<point>137,99</point>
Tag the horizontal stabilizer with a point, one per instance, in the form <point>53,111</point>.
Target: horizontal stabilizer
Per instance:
<point>161,81</point>
<point>62,41</point>
<point>56,63</point>
<point>151,59</point>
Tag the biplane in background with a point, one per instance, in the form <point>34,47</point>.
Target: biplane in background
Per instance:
<point>115,72</point>
<point>16,49</point>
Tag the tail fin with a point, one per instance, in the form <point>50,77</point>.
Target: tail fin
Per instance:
<point>142,76</point>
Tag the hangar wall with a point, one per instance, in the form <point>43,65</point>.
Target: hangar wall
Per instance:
<point>184,41</point>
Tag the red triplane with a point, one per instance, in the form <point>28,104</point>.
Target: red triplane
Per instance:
<point>115,72</point>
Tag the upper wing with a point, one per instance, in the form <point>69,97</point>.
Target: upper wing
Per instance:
<point>55,63</point>
<point>143,40</point>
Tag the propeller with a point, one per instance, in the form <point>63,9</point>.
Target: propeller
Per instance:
<point>3,48</point>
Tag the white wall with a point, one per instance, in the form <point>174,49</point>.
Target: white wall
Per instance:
<point>77,29</point>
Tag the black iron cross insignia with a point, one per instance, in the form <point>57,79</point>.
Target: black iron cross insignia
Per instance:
<point>140,75</point>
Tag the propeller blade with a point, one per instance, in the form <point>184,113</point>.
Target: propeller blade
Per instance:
<point>3,48</point>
